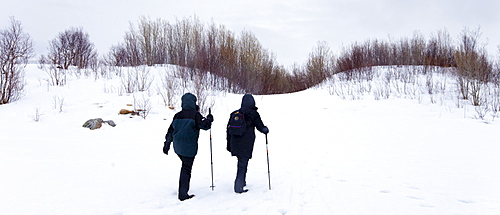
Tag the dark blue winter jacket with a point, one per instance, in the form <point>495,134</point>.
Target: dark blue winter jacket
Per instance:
<point>185,128</point>
<point>243,145</point>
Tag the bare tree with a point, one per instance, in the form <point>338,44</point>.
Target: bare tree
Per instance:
<point>473,68</point>
<point>117,56</point>
<point>16,48</point>
<point>71,48</point>
<point>320,64</point>
<point>439,51</point>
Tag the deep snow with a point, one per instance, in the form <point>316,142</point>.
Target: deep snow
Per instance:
<point>327,156</point>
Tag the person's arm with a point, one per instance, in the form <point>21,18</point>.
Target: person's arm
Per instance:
<point>228,136</point>
<point>168,139</point>
<point>260,125</point>
<point>202,122</point>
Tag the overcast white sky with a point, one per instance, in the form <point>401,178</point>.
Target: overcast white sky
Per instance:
<point>288,28</point>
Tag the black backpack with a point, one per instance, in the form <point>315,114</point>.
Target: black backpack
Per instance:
<point>237,124</point>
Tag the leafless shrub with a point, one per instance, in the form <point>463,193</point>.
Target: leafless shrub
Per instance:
<point>37,115</point>
<point>143,78</point>
<point>330,84</point>
<point>476,92</point>
<point>142,105</point>
<point>57,75</point>
<point>202,90</point>
<point>168,89</point>
<point>128,81</point>
<point>109,88</point>
<point>482,109</point>
<point>184,74</point>
<point>382,89</point>
<point>495,102</point>
<point>341,89</point>
<point>99,69</point>
<point>458,101</point>
<point>136,79</point>
<point>429,83</point>
<point>58,103</point>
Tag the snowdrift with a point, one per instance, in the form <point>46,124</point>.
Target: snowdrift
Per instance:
<point>328,155</point>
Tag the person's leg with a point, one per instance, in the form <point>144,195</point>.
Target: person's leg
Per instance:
<point>185,177</point>
<point>241,173</point>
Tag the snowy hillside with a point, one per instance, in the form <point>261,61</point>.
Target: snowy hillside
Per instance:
<point>327,156</point>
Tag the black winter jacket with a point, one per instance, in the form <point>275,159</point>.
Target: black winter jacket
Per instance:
<point>243,145</point>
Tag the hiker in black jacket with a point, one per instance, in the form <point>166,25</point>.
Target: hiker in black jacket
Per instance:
<point>184,132</point>
<point>241,146</point>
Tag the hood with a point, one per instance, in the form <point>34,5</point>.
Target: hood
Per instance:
<point>188,102</point>
<point>248,102</point>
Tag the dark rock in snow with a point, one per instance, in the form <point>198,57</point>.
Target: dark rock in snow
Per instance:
<point>96,123</point>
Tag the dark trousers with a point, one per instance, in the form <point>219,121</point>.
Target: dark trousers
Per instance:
<point>185,178</point>
<point>241,174</point>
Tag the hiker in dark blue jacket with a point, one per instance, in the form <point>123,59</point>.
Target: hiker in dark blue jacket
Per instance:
<point>184,132</point>
<point>242,146</point>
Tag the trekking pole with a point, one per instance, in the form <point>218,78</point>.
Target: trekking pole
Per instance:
<point>211,159</point>
<point>268,171</point>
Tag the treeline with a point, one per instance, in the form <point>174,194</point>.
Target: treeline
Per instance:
<point>207,48</point>
<point>439,50</point>
<point>249,67</point>
<point>472,67</point>
<point>238,61</point>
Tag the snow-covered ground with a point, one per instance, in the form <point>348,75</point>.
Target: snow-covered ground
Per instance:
<point>327,156</point>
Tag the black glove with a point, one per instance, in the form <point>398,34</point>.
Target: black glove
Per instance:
<point>166,147</point>
<point>210,117</point>
<point>265,130</point>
